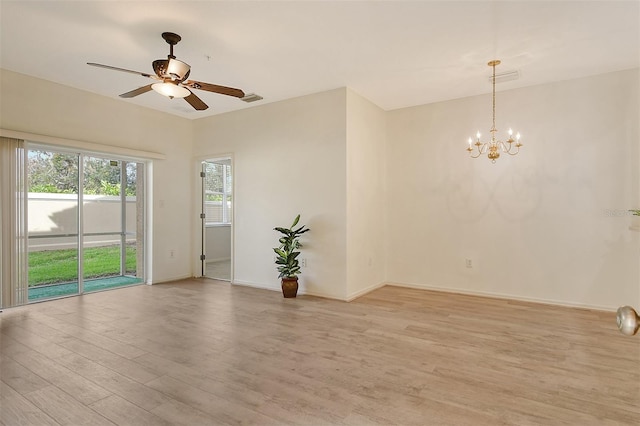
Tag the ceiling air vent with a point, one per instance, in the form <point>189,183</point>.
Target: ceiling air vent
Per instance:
<point>251,97</point>
<point>506,76</point>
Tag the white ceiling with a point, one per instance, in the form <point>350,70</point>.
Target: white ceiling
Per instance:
<point>394,53</point>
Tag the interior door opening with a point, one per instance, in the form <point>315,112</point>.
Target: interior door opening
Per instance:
<point>217,218</point>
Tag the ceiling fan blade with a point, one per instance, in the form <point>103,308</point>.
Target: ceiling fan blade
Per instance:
<point>136,92</point>
<point>109,67</point>
<point>223,90</point>
<point>196,102</point>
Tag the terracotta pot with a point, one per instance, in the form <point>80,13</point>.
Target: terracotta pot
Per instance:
<point>290,287</point>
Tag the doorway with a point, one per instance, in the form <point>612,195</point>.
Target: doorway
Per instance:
<point>217,218</point>
<point>85,223</point>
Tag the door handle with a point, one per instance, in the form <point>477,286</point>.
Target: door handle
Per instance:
<point>628,320</point>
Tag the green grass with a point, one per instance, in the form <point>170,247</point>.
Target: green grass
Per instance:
<point>58,266</point>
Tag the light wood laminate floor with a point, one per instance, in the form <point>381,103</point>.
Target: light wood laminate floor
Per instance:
<point>219,270</point>
<point>202,352</point>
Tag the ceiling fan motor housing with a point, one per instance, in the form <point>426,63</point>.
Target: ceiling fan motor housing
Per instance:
<point>171,38</point>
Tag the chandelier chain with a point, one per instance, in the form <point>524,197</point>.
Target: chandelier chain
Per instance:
<point>493,82</point>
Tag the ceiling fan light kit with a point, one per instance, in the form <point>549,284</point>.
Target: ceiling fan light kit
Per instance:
<point>172,75</point>
<point>171,90</point>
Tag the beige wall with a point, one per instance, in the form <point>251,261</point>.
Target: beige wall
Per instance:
<point>288,158</point>
<point>537,226</point>
<point>366,195</point>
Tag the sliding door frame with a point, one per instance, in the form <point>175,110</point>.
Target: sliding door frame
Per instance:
<point>142,262</point>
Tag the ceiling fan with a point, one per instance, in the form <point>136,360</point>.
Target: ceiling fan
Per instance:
<point>171,75</point>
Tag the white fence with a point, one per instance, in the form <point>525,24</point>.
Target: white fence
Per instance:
<point>57,214</point>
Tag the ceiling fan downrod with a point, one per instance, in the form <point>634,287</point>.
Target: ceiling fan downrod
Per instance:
<point>172,39</point>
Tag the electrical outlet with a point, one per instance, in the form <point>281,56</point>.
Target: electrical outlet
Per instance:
<point>468,263</point>
<point>303,263</point>
<point>172,253</point>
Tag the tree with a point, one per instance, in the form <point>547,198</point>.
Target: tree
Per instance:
<point>58,173</point>
<point>52,172</point>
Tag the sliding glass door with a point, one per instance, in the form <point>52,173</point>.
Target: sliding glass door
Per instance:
<point>111,222</point>
<point>53,223</point>
<point>86,227</point>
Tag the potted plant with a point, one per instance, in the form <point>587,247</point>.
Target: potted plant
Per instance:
<point>287,257</point>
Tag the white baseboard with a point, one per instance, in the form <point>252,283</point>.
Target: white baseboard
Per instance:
<point>170,279</point>
<point>369,289</point>
<point>256,285</point>
<point>301,290</point>
<point>324,296</point>
<point>364,291</point>
<point>503,296</point>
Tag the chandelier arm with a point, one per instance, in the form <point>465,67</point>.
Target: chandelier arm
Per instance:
<point>509,150</point>
<point>482,148</point>
<point>513,153</point>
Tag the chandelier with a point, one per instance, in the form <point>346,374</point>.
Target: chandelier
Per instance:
<point>494,147</point>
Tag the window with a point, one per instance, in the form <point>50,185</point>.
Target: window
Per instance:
<point>218,197</point>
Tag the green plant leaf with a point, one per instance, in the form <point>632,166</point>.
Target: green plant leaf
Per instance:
<point>295,221</point>
<point>282,230</point>
<point>300,230</point>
